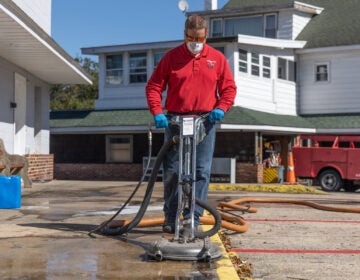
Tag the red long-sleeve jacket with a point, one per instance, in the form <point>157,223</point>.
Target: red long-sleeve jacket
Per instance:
<point>194,84</point>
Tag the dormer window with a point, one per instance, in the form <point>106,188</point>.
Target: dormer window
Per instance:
<point>244,25</point>
<point>216,27</point>
<point>138,68</point>
<point>114,70</point>
<point>261,25</point>
<point>270,26</point>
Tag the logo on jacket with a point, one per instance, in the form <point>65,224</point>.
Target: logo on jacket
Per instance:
<point>211,63</point>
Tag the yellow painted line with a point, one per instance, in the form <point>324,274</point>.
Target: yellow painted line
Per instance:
<point>225,268</point>
<point>294,189</point>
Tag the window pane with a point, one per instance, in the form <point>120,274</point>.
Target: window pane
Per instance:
<point>255,70</point>
<point>242,55</point>
<point>114,70</point>
<point>114,77</point>
<point>292,71</point>
<point>138,68</point>
<point>270,26</point>
<point>113,61</point>
<point>247,26</point>
<point>243,67</point>
<point>321,72</point>
<point>157,57</point>
<point>243,61</point>
<point>282,68</point>
<point>216,28</point>
<point>266,73</point>
<point>255,58</point>
<point>266,67</point>
<point>266,61</point>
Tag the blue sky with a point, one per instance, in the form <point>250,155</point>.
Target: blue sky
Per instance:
<point>79,24</point>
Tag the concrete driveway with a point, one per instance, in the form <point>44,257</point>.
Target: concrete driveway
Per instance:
<point>47,238</point>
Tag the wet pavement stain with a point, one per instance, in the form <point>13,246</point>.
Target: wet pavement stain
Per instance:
<point>48,238</point>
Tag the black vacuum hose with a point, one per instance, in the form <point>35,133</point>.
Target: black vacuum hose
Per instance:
<point>106,230</point>
<point>121,230</point>
<point>216,215</point>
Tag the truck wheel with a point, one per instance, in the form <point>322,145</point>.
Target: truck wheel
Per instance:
<point>330,180</point>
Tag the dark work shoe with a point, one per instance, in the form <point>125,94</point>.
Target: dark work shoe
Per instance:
<point>167,228</point>
<point>169,225</point>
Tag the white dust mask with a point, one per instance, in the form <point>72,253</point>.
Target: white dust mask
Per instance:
<point>195,47</point>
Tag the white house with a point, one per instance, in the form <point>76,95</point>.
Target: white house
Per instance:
<point>30,62</point>
<point>294,63</point>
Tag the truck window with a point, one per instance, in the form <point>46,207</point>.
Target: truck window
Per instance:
<point>344,144</point>
<point>325,144</point>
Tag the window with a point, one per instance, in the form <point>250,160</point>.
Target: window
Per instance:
<point>242,61</point>
<point>119,148</point>
<point>157,57</point>
<point>246,25</point>
<point>114,70</point>
<point>322,72</point>
<point>255,62</point>
<point>286,69</point>
<point>138,68</point>
<point>216,28</point>
<point>262,26</point>
<point>270,26</point>
<point>266,67</point>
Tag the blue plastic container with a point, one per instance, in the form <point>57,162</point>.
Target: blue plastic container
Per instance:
<point>10,192</point>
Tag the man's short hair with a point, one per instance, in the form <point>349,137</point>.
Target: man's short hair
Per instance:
<point>195,22</point>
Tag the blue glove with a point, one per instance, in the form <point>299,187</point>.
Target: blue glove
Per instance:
<point>216,115</point>
<point>160,121</point>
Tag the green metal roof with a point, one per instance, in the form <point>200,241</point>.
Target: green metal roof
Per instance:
<point>337,25</point>
<point>236,116</point>
<point>244,116</point>
<point>99,118</point>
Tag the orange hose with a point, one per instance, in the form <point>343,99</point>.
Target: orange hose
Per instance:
<point>234,204</point>
<point>236,223</point>
<point>226,222</point>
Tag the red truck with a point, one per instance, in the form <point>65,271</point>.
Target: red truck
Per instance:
<point>331,159</point>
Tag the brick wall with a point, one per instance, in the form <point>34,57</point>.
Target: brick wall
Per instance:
<point>245,172</point>
<point>93,171</point>
<point>249,172</point>
<point>41,167</point>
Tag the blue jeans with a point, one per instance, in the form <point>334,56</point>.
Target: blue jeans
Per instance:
<point>204,155</point>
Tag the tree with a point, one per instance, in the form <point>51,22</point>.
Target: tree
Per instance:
<point>74,97</point>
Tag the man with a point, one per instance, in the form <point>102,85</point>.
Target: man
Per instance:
<point>198,80</point>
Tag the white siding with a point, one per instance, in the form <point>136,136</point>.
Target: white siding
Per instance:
<point>38,10</point>
<point>272,96</point>
<point>35,138</point>
<point>268,95</point>
<point>300,20</point>
<point>122,97</point>
<point>341,94</point>
<point>127,96</point>
<point>285,22</point>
